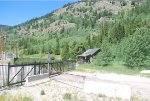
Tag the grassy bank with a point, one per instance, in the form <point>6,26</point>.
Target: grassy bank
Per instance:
<point>113,68</point>
<point>41,56</point>
<point>35,57</point>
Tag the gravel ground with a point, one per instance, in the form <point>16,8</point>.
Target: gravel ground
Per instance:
<point>140,86</point>
<point>71,84</point>
<point>56,91</point>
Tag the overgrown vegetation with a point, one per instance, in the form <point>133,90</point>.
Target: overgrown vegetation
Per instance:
<point>123,38</point>
<point>127,39</point>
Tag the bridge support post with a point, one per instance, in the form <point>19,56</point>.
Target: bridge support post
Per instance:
<point>35,68</point>
<point>40,67</point>
<point>8,74</point>
<point>22,74</point>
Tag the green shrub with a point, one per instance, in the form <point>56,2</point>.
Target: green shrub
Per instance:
<point>42,92</point>
<point>136,49</point>
<point>105,57</point>
<point>67,96</point>
<point>123,3</point>
<point>133,3</point>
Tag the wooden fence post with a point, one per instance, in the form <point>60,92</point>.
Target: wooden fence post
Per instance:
<point>61,67</point>
<point>48,68</point>
<point>56,66</point>
<point>8,74</point>
<point>68,65</point>
<point>39,67</point>
<point>63,64</point>
<point>72,63</point>
<point>22,73</point>
<point>35,68</point>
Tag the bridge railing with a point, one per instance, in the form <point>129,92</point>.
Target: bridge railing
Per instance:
<point>17,73</point>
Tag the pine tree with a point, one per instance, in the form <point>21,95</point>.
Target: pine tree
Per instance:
<point>72,50</point>
<point>62,30</point>
<point>65,51</point>
<point>89,43</point>
<point>57,48</point>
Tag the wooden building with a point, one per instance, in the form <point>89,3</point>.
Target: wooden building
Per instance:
<point>88,55</point>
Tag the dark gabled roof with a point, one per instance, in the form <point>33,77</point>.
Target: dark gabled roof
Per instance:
<point>90,52</point>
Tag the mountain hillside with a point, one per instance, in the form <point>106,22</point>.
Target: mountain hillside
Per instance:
<point>119,27</point>
<point>64,17</point>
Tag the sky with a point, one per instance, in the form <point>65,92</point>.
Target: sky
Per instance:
<point>14,12</point>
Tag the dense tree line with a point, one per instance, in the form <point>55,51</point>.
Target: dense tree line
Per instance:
<point>125,39</point>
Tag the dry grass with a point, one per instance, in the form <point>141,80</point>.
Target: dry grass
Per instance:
<point>18,97</point>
